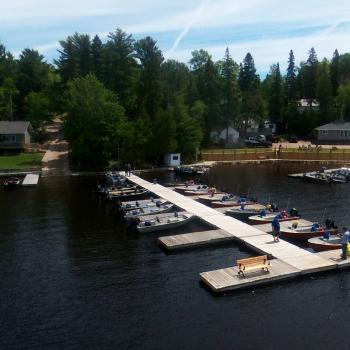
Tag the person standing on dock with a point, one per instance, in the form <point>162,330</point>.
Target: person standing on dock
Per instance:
<point>276,229</point>
<point>344,240</point>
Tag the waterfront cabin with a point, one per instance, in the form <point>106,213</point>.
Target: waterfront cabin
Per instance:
<point>228,135</point>
<point>15,135</point>
<point>334,133</point>
<point>172,159</point>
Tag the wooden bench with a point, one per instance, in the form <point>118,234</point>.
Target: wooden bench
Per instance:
<point>253,264</point>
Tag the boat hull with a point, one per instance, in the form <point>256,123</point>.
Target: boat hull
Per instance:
<point>320,245</point>
<point>165,226</point>
<point>256,220</point>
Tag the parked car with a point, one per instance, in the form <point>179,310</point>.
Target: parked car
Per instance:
<point>293,139</point>
<point>258,141</point>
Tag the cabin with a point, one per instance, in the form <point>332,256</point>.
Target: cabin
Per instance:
<point>308,105</point>
<point>15,135</point>
<point>172,159</point>
<point>228,135</point>
<point>334,133</point>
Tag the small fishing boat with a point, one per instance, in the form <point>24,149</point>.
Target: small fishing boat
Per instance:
<point>200,192</point>
<point>302,233</point>
<point>191,170</point>
<point>12,182</point>
<point>115,179</point>
<point>131,215</point>
<point>232,201</point>
<point>138,204</point>
<point>266,218</point>
<point>163,222</point>
<point>244,213</point>
<point>319,244</point>
<point>182,189</point>
<point>323,178</point>
<point>127,193</point>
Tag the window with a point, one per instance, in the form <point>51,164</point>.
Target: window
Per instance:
<point>175,157</point>
<point>13,138</point>
<point>324,132</point>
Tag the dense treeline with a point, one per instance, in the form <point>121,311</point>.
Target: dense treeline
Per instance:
<point>125,102</point>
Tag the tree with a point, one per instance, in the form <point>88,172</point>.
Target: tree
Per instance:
<point>97,57</point>
<point>67,63</point>
<point>343,101</point>
<point>199,59</point>
<point>309,72</point>
<point>120,71</point>
<point>33,76</point>
<point>230,91</point>
<point>151,58</point>
<point>324,92</point>
<point>291,80</point>
<point>96,126</point>
<point>275,94</point>
<point>252,103</point>
<point>335,72</point>
<point>8,91</point>
<point>37,108</point>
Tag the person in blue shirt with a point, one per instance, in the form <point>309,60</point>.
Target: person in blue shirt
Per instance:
<point>276,229</point>
<point>344,240</point>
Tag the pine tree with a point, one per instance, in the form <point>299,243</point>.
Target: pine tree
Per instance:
<point>252,103</point>
<point>291,79</point>
<point>97,57</point>
<point>335,72</point>
<point>230,93</point>
<point>324,92</point>
<point>275,99</point>
<point>151,58</point>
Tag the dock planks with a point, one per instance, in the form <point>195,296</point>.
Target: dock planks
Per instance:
<point>292,260</point>
<point>194,239</point>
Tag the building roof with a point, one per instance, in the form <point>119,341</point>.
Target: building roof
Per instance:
<point>335,126</point>
<point>7,127</point>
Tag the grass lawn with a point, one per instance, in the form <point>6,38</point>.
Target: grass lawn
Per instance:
<point>21,161</point>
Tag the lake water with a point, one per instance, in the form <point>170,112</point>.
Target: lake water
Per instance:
<point>73,277</point>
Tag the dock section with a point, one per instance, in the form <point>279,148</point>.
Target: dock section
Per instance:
<point>30,180</point>
<point>194,239</point>
<point>298,261</point>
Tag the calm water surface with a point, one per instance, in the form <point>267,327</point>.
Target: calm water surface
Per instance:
<point>72,277</point>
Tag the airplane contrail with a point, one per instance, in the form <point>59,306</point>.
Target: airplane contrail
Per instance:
<point>188,27</point>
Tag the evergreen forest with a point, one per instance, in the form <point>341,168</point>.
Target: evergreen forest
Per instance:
<point>123,101</point>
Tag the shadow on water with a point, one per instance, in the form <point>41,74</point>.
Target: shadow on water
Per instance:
<point>73,277</point>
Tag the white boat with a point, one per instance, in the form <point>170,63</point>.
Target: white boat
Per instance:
<point>244,213</point>
<point>148,210</point>
<point>268,218</point>
<point>164,222</point>
<point>144,203</point>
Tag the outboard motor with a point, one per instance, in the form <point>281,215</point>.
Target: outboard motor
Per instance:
<point>294,212</point>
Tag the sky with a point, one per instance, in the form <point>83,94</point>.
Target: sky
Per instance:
<point>268,29</point>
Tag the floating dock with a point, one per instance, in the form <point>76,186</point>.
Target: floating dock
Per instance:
<point>288,259</point>
<point>30,180</point>
<point>194,239</point>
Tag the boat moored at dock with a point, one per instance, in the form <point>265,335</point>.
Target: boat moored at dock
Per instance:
<point>164,222</point>
<point>319,244</point>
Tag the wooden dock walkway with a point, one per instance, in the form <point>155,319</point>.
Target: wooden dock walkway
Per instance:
<point>194,239</point>
<point>298,260</point>
<point>202,238</point>
<point>31,180</point>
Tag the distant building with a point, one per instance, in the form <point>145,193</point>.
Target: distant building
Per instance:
<point>229,135</point>
<point>308,105</point>
<point>15,135</point>
<point>334,133</point>
<point>172,159</point>
<point>270,126</point>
